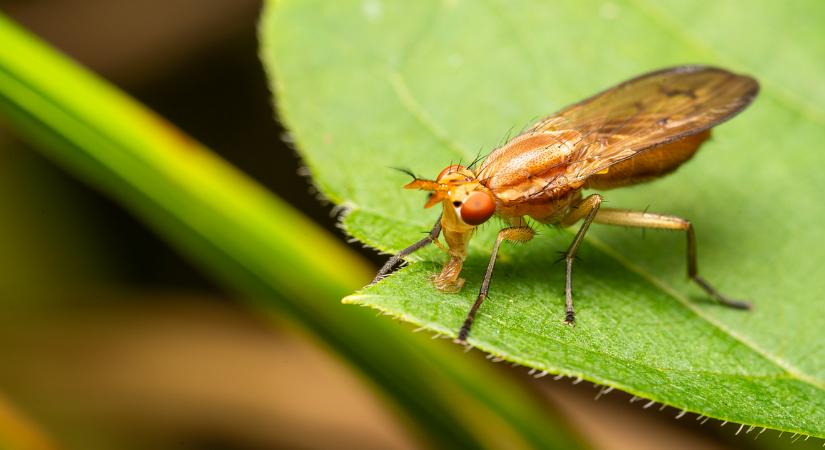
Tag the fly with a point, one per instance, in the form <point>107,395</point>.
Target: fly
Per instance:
<point>634,132</point>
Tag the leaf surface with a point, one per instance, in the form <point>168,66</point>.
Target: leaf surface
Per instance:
<point>368,85</point>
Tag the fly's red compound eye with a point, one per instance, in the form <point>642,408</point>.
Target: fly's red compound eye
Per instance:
<point>478,207</point>
<point>450,169</point>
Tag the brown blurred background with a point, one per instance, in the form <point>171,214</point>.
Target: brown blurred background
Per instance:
<point>109,340</point>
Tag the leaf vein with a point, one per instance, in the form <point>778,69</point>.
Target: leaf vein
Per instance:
<point>405,96</point>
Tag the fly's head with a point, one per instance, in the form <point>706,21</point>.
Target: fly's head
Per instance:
<point>467,203</point>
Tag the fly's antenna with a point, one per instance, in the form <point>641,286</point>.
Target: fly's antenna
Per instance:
<point>419,183</point>
<point>407,172</point>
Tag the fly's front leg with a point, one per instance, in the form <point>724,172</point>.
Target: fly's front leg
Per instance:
<point>432,237</point>
<point>587,209</point>
<point>640,219</point>
<point>514,234</point>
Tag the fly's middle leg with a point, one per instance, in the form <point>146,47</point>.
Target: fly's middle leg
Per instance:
<point>587,209</point>
<point>639,219</point>
<point>514,234</point>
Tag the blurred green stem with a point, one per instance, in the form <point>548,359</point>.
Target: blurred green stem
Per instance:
<point>257,245</point>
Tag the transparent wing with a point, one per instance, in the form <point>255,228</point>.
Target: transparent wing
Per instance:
<point>645,112</point>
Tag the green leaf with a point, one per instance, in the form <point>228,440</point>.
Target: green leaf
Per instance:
<point>257,245</point>
<point>374,84</point>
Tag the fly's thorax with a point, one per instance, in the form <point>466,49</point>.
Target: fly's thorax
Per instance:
<point>528,162</point>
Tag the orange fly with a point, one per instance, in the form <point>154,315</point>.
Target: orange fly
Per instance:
<point>631,133</point>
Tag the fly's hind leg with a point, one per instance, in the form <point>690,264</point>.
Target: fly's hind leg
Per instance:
<point>587,209</point>
<point>432,237</point>
<point>639,219</point>
<point>521,233</point>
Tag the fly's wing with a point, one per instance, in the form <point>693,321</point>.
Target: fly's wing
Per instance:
<point>645,112</point>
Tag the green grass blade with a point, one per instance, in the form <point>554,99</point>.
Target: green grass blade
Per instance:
<point>256,244</point>
<point>366,85</point>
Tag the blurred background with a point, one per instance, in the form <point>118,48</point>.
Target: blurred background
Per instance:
<point>111,340</point>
